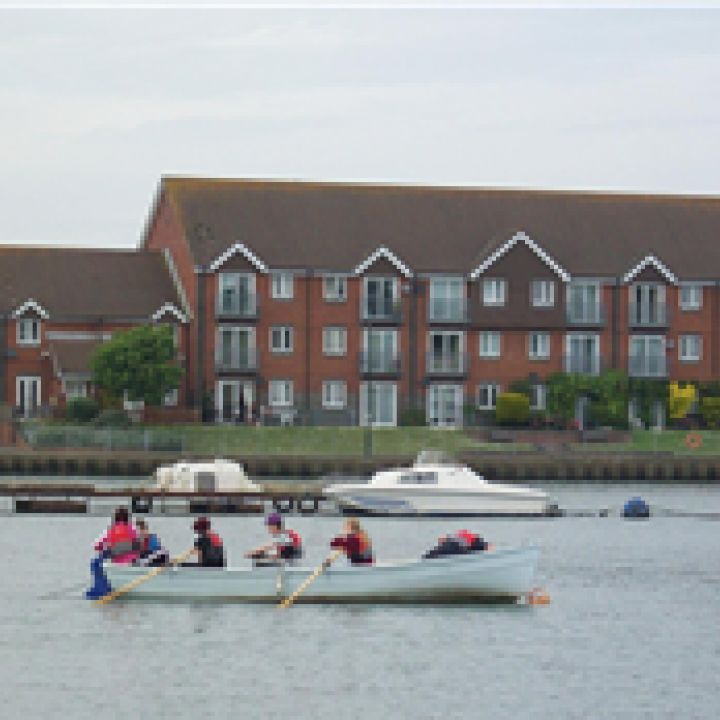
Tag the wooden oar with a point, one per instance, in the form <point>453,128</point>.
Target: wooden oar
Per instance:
<point>326,563</point>
<point>144,578</point>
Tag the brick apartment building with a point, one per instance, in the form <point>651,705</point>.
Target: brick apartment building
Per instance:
<point>57,305</point>
<point>337,303</point>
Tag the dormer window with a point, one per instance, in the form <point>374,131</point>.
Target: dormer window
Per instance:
<point>494,291</point>
<point>28,331</point>
<point>543,293</point>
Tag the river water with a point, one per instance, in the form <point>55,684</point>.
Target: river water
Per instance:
<point>632,630</point>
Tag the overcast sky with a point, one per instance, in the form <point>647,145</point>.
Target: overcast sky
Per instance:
<point>96,105</point>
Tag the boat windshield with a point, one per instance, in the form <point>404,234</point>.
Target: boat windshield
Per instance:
<point>433,457</point>
<point>418,478</point>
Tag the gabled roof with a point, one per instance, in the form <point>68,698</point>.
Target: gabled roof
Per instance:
<point>31,306</point>
<point>507,246</point>
<point>169,309</point>
<point>75,283</point>
<point>650,260</point>
<point>383,252</point>
<point>241,249</point>
<point>328,226</point>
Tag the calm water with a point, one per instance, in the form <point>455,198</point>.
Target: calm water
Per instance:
<point>631,632</point>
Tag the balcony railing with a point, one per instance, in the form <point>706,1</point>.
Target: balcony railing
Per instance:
<point>245,361</point>
<point>593,315</point>
<point>655,315</point>
<point>582,363</point>
<point>648,365</point>
<point>389,313</point>
<point>445,310</point>
<point>246,308</point>
<point>446,364</point>
<point>380,363</point>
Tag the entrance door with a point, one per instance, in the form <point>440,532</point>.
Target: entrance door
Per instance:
<point>27,395</point>
<point>228,407</point>
<point>444,405</point>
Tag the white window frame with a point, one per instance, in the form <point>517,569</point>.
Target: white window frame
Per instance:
<point>645,341</point>
<point>494,292</point>
<point>34,337</point>
<point>542,293</point>
<point>19,379</point>
<point>447,300</point>
<point>365,389</point>
<point>332,400</point>
<point>287,335</point>
<point>694,301</point>
<point>684,342</point>
<point>538,350</point>
<point>79,383</point>
<point>433,397</point>
<point>490,344</point>
<point>330,335</point>
<point>584,290</point>
<point>282,285</point>
<point>334,288</point>
<point>235,281</point>
<point>493,390</point>
<point>582,337</point>
<point>538,396</point>
<point>394,284</point>
<point>280,393</point>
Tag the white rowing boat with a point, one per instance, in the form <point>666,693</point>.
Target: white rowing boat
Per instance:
<point>500,575</point>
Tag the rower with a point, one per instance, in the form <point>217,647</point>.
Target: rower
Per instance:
<point>458,543</point>
<point>285,544</point>
<point>120,541</point>
<point>209,549</point>
<point>355,542</point>
<point>152,553</point>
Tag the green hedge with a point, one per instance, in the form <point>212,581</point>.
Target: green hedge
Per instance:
<point>512,409</point>
<point>82,410</point>
<point>710,411</point>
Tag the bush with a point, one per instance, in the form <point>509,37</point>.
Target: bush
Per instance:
<point>412,417</point>
<point>112,417</point>
<point>710,411</point>
<point>512,409</point>
<point>81,410</point>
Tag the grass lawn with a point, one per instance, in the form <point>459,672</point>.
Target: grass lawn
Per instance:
<point>665,441</point>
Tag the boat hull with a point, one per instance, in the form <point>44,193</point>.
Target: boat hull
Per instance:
<point>502,575</point>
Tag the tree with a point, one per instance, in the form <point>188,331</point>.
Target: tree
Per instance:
<point>140,361</point>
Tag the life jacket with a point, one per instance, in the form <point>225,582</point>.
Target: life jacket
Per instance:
<point>466,537</point>
<point>214,555</point>
<point>364,554</point>
<point>293,549</point>
<point>121,541</point>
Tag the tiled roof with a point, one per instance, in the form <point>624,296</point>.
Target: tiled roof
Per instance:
<point>337,226</point>
<point>79,283</point>
<point>72,356</point>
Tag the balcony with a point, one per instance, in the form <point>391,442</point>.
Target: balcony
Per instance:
<point>245,308</point>
<point>582,363</point>
<point>648,365</point>
<point>656,315</point>
<point>586,316</point>
<point>238,362</point>
<point>444,311</point>
<point>381,313</point>
<point>380,363</point>
<point>450,365</point>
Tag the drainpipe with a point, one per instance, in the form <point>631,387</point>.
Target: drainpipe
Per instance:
<point>3,358</point>
<point>714,335</point>
<point>412,350</point>
<point>200,340</point>
<point>615,329</point>
<point>308,308</point>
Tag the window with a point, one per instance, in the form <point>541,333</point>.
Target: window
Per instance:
<point>447,300</point>
<point>444,406</point>
<point>235,348</point>
<point>282,286</point>
<point>74,389</point>
<point>538,397</point>
<point>236,295</point>
<point>690,348</point>
<point>380,351</point>
<point>425,477</point>
<point>691,297</point>
<point>171,398</point>
<point>490,344</point>
<point>280,393</point>
<point>281,339</point>
<point>647,356</point>
<point>334,394</point>
<point>378,404</point>
<point>543,293</point>
<point>28,331</point>
<point>582,354</point>
<point>494,291</point>
<point>335,288</point>
<point>583,303</point>
<point>647,304</point>
<point>334,341</point>
<point>446,352</point>
<point>381,299</point>
<point>539,345</point>
<point>487,395</point>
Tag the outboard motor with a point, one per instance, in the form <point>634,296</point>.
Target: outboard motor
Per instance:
<point>636,508</point>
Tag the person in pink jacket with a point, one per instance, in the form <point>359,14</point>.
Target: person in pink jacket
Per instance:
<point>120,542</point>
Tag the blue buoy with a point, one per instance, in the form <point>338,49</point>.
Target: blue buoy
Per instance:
<point>636,507</point>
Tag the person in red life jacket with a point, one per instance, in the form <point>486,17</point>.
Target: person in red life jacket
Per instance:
<point>355,542</point>
<point>152,553</point>
<point>120,541</point>
<point>209,550</point>
<point>458,543</point>
<point>285,544</point>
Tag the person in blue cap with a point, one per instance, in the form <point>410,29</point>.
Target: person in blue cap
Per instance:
<point>285,544</point>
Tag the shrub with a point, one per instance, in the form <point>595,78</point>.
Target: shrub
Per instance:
<point>512,409</point>
<point>412,417</point>
<point>710,411</point>
<point>112,417</point>
<point>82,410</point>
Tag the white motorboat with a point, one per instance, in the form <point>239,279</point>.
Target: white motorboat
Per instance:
<point>435,485</point>
<point>212,476</point>
<point>494,576</point>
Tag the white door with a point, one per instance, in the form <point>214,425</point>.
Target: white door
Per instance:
<point>444,405</point>
<point>228,407</point>
<point>27,395</point>
<point>378,404</point>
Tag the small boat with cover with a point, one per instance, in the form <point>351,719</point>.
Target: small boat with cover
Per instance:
<point>503,575</point>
